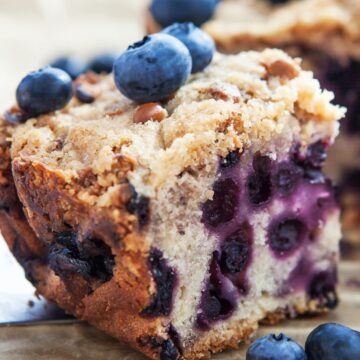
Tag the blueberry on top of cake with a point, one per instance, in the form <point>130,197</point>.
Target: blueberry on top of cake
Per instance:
<point>179,222</point>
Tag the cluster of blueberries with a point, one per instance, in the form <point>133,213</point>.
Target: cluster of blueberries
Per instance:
<point>51,88</point>
<point>149,70</point>
<point>327,342</point>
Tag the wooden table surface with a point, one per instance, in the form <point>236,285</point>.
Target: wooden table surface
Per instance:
<point>31,33</point>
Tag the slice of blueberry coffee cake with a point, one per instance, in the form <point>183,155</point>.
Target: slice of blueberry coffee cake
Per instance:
<point>180,216</point>
<point>325,33</point>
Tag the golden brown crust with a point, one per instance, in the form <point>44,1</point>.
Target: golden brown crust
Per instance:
<point>115,306</point>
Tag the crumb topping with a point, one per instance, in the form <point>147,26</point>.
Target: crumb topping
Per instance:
<point>236,103</point>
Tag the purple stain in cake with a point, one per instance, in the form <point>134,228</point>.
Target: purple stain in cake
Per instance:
<point>306,196</point>
<point>259,181</point>
<point>222,208</point>
<point>165,280</point>
<point>286,236</point>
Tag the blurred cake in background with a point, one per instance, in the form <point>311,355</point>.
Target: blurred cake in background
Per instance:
<point>326,35</point>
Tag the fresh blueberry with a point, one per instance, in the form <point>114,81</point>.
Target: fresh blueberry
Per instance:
<point>167,12</point>
<point>83,96</point>
<point>275,347</point>
<point>153,69</point>
<point>70,64</point>
<point>333,342</point>
<point>286,235</point>
<point>199,43</point>
<point>102,64</point>
<point>44,91</point>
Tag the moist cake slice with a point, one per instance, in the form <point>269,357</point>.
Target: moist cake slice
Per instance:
<point>326,34</point>
<point>178,226</point>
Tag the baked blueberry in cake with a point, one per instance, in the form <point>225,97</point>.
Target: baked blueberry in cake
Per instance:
<point>177,223</point>
<point>326,34</point>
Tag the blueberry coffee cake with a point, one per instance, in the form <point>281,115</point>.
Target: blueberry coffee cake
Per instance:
<point>176,223</point>
<point>325,33</point>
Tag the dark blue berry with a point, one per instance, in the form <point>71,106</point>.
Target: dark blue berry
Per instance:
<point>314,176</point>
<point>259,182</point>
<point>333,342</point>
<point>16,117</point>
<point>287,235</point>
<point>167,12</point>
<point>169,351</point>
<point>199,43</point>
<point>216,302</point>
<point>235,252</point>
<point>71,65</point>
<point>91,258</point>
<point>275,347</point>
<point>222,208</point>
<point>214,307</point>
<point>323,288</point>
<point>287,177</point>
<point>83,96</point>
<point>66,263</point>
<point>316,155</point>
<point>102,64</point>
<point>140,206</point>
<point>165,278</point>
<point>153,69</point>
<point>44,91</point>
<point>230,160</point>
